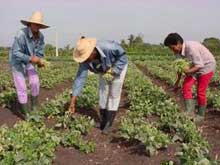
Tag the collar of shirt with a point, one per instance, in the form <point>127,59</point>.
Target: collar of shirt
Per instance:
<point>101,52</point>
<point>103,56</point>
<point>183,53</point>
<point>30,34</point>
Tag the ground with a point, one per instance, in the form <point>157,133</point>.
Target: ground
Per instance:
<point>111,149</point>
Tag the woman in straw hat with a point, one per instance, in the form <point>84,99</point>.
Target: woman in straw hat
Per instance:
<point>26,52</point>
<point>109,60</point>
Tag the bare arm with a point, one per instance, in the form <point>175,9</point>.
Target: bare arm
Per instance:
<point>192,70</point>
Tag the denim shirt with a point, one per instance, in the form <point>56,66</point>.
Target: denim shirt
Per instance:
<point>25,46</point>
<point>112,56</point>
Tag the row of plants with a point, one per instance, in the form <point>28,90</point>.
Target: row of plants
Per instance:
<point>27,143</point>
<point>167,74</point>
<point>164,57</point>
<point>56,73</point>
<point>31,142</point>
<point>73,128</point>
<point>172,126</point>
<point>7,92</point>
<point>165,71</point>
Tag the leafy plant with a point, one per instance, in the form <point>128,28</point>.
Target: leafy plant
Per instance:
<point>136,128</point>
<point>27,143</point>
<point>74,138</point>
<point>82,124</point>
<point>46,63</point>
<point>146,99</point>
<point>180,65</point>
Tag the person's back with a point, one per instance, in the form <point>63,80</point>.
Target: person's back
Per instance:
<point>194,49</point>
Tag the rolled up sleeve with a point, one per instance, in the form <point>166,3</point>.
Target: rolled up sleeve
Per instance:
<point>80,79</point>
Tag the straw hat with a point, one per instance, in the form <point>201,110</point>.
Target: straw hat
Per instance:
<point>37,18</point>
<point>83,49</point>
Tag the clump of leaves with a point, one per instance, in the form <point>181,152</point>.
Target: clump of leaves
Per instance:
<point>27,143</point>
<point>89,98</point>
<point>46,63</point>
<point>82,124</point>
<point>74,138</point>
<point>194,153</point>
<point>136,128</point>
<point>76,127</point>
<point>7,96</point>
<point>180,65</point>
<point>55,107</point>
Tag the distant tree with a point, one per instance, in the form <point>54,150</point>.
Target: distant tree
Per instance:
<point>131,39</point>
<point>123,43</point>
<point>67,47</point>
<point>135,41</point>
<point>66,51</point>
<point>212,43</point>
<point>138,41</point>
<point>49,50</point>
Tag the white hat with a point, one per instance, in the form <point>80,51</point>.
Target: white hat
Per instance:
<point>37,18</point>
<point>83,49</point>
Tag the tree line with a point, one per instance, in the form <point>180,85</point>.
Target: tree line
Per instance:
<point>131,44</point>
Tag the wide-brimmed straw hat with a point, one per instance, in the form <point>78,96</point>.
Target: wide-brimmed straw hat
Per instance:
<point>83,49</point>
<point>37,18</point>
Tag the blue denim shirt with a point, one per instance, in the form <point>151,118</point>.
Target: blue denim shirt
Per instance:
<point>112,56</point>
<point>24,46</point>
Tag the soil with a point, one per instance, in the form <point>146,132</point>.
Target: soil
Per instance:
<point>10,115</point>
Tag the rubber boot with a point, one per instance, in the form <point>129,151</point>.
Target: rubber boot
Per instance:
<point>201,114</point>
<point>109,121</point>
<point>24,111</point>
<point>101,124</point>
<point>190,107</point>
<point>34,103</point>
<point>103,116</point>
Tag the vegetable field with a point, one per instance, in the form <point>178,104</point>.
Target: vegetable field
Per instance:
<point>150,127</point>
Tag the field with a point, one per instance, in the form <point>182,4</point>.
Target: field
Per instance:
<point>150,127</point>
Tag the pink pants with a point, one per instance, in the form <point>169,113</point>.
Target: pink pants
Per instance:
<point>202,85</point>
<point>20,83</point>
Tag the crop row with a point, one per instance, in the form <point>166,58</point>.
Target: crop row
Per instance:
<point>31,142</point>
<point>172,126</point>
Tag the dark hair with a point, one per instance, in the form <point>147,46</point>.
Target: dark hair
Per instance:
<point>173,39</point>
